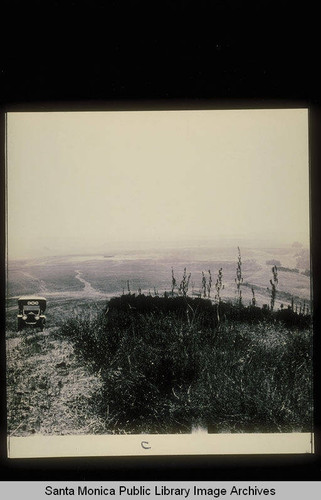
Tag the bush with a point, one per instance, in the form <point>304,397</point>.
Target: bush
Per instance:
<point>167,363</point>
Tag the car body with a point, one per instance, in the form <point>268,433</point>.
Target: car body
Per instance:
<point>31,312</point>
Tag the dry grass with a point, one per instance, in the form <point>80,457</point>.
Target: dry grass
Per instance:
<point>167,371</point>
<point>48,391</point>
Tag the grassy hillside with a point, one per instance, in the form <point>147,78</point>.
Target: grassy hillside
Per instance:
<point>167,364</point>
<point>226,345</point>
<point>49,391</point>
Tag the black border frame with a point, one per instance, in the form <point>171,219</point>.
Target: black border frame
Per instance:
<point>202,467</point>
<point>262,63</point>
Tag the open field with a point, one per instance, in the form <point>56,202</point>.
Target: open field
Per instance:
<point>98,276</point>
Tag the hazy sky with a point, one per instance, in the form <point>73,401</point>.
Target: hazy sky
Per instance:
<point>85,181</point>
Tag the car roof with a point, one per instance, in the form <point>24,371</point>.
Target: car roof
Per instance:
<point>31,297</point>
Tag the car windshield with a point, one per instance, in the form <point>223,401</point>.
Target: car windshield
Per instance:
<point>28,309</point>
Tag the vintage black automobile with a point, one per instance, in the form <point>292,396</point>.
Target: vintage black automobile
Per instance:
<point>31,312</point>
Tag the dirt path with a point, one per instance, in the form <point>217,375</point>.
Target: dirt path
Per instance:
<point>88,291</point>
<point>48,390</point>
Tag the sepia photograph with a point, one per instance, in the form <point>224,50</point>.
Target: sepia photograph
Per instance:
<point>158,282</point>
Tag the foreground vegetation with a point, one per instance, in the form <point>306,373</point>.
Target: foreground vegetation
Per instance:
<point>49,391</point>
<point>170,363</point>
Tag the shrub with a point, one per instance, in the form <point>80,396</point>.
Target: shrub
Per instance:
<point>166,363</point>
<point>273,285</point>
<point>239,278</point>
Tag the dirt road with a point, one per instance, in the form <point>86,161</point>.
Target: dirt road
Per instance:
<point>49,391</point>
